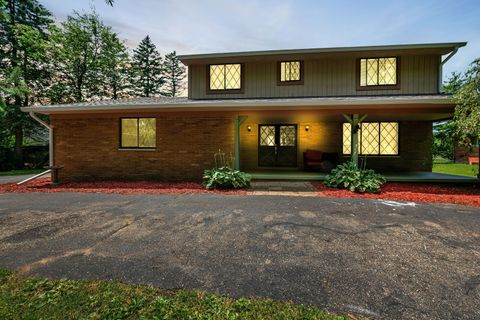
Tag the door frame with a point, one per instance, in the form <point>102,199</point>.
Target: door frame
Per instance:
<point>277,125</point>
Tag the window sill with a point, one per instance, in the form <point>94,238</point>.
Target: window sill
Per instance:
<point>137,149</point>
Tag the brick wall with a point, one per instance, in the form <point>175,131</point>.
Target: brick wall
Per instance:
<point>88,147</point>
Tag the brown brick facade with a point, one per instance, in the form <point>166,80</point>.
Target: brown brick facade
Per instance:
<point>88,147</point>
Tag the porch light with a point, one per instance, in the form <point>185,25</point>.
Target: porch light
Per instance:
<point>249,128</point>
<point>307,128</point>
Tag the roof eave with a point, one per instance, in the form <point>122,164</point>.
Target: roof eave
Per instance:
<point>250,104</point>
<point>187,59</point>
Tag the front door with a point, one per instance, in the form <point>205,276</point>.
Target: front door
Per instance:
<point>277,145</point>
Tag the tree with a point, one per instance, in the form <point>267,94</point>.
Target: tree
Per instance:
<point>114,64</point>
<point>77,48</point>
<point>147,79</point>
<point>467,110</point>
<point>454,83</point>
<point>174,73</point>
<point>24,29</point>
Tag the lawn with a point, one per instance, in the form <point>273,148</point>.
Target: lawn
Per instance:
<point>39,298</point>
<point>18,172</point>
<point>456,168</point>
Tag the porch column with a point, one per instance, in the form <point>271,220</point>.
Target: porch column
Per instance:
<point>354,120</point>
<point>236,161</point>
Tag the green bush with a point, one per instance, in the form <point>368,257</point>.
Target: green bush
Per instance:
<point>348,176</point>
<point>225,178</point>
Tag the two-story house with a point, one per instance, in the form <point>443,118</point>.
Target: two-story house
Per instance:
<point>265,108</point>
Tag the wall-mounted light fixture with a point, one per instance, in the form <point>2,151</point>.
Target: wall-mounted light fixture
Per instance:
<point>307,128</point>
<point>249,128</point>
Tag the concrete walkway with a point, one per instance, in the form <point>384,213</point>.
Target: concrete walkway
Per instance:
<point>384,259</point>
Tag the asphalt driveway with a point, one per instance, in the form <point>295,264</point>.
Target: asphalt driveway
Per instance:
<point>384,259</point>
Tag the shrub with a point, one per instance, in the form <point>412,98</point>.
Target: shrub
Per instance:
<point>225,178</point>
<point>348,176</point>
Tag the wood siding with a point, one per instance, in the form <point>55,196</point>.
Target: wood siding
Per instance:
<point>323,77</point>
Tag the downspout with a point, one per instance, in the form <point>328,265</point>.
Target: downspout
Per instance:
<point>440,69</point>
<point>50,148</point>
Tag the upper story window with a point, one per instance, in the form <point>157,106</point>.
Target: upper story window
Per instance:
<point>290,72</point>
<point>378,72</point>
<point>375,138</point>
<point>225,77</point>
<point>138,133</point>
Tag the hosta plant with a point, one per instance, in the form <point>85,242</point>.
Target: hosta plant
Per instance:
<point>225,178</point>
<point>349,176</point>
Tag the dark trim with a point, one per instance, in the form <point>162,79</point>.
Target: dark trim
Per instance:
<point>289,82</point>
<point>226,91</point>
<point>380,86</point>
<point>379,137</point>
<point>120,147</point>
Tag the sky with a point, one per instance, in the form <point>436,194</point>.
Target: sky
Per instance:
<point>207,26</point>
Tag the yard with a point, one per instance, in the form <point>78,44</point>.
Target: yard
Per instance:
<point>460,169</point>
<point>40,298</point>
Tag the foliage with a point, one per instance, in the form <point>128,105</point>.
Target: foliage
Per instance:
<point>84,51</point>
<point>147,78</point>
<point>24,30</point>
<point>348,176</point>
<point>454,83</point>
<point>444,141</point>
<point>39,298</point>
<point>467,111</point>
<point>114,65</point>
<point>225,178</point>
<point>174,73</point>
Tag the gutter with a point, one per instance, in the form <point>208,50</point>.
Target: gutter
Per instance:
<point>440,67</point>
<point>50,148</point>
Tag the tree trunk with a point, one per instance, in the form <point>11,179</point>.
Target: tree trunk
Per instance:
<point>18,160</point>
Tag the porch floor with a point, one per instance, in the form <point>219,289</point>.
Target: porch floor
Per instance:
<point>419,176</point>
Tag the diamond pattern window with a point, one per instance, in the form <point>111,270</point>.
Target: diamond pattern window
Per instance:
<point>375,138</point>
<point>347,134</point>
<point>290,71</point>
<point>225,76</point>
<point>378,72</point>
<point>138,132</point>
<point>288,136</point>
<point>267,136</point>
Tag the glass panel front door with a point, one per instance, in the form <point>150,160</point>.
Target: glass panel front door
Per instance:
<point>277,145</point>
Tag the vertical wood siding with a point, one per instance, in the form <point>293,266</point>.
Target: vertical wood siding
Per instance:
<point>323,77</point>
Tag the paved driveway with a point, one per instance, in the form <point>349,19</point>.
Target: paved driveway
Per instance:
<point>379,258</point>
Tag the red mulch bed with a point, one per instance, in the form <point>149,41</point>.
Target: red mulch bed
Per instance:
<point>115,187</point>
<point>436,193</point>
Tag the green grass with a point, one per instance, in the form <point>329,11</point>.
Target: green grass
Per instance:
<point>18,172</point>
<point>38,298</point>
<point>456,168</point>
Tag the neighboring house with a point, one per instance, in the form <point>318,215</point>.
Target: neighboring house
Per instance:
<point>266,108</point>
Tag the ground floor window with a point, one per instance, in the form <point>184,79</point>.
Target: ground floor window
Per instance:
<point>138,133</point>
<point>375,138</point>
